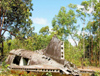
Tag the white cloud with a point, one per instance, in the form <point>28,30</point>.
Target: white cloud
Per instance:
<point>98,0</point>
<point>72,42</point>
<point>81,32</point>
<point>80,6</point>
<point>50,30</point>
<point>40,21</point>
<point>77,41</point>
<point>91,9</point>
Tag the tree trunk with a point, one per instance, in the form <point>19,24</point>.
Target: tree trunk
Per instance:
<point>83,41</point>
<point>0,20</point>
<point>91,50</point>
<point>1,32</point>
<point>2,49</point>
<point>99,36</point>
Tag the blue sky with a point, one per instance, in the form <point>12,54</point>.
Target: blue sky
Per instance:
<point>45,10</point>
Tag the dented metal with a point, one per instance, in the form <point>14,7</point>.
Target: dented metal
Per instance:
<point>50,59</point>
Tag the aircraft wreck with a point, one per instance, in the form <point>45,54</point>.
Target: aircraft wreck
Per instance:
<point>50,59</point>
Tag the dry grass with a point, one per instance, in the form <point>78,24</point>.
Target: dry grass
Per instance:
<point>96,69</point>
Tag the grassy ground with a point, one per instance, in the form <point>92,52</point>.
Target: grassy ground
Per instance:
<point>23,73</point>
<point>96,69</point>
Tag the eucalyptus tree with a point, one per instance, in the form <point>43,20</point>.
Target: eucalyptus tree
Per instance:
<point>92,9</point>
<point>64,23</point>
<point>15,17</point>
<point>84,10</point>
<point>98,14</point>
<point>82,15</point>
<point>93,26</point>
<point>44,30</point>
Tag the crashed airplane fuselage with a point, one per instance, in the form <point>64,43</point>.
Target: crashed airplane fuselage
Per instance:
<point>51,59</point>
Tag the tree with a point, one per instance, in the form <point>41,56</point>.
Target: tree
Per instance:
<point>14,17</point>
<point>89,10</point>
<point>98,12</point>
<point>64,24</point>
<point>44,30</point>
<point>93,26</point>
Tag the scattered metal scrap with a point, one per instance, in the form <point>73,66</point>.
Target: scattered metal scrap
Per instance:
<point>50,59</point>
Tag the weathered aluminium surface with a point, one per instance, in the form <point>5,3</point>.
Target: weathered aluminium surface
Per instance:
<point>50,59</point>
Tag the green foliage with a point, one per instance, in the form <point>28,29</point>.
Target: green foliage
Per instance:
<point>97,8</point>
<point>72,54</point>
<point>16,17</point>
<point>96,74</point>
<point>44,30</point>
<point>4,67</point>
<point>49,74</point>
<point>72,6</point>
<point>35,42</point>
<point>85,4</point>
<point>64,23</point>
